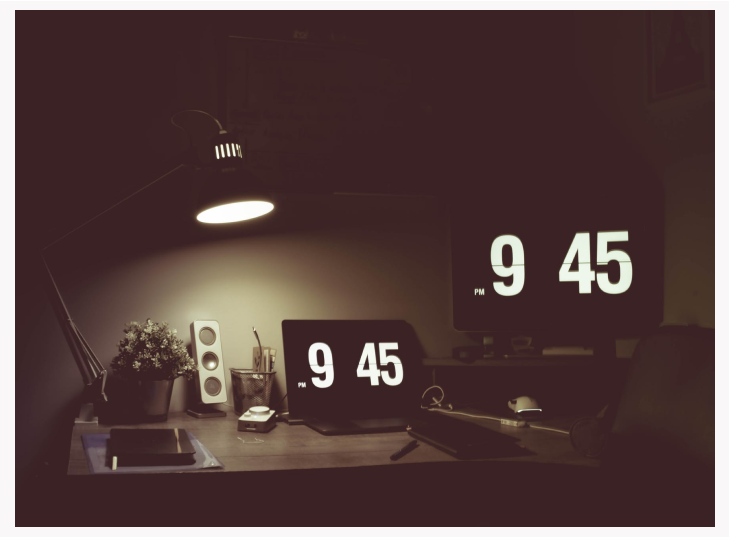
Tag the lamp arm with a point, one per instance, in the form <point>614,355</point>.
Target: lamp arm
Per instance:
<point>74,230</point>
<point>88,364</point>
<point>86,361</point>
<point>93,361</point>
<point>172,119</point>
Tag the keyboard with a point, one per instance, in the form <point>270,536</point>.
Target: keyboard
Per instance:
<point>465,440</point>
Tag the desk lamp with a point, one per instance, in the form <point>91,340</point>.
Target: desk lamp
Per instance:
<point>231,194</point>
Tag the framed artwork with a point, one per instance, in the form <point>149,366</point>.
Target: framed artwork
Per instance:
<point>680,54</point>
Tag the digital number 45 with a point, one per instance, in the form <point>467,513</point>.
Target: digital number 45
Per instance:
<point>584,274</point>
<point>370,359</point>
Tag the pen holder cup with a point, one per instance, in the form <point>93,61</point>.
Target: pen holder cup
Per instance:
<point>250,388</point>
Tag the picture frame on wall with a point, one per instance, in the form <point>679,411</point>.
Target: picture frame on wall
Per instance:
<point>680,59</point>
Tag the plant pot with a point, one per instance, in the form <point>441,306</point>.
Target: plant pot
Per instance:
<point>155,398</point>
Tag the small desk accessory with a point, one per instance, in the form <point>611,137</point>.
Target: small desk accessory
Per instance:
<point>273,358</point>
<point>257,419</point>
<point>525,406</point>
<point>404,451</point>
<point>251,388</point>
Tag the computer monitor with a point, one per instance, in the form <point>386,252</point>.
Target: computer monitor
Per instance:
<point>563,258</point>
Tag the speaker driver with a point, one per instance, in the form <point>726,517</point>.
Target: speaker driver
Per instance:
<point>207,336</point>
<point>212,386</point>
<point>209,361</point>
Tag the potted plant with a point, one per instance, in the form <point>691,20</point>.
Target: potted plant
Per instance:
<point>152,356</point>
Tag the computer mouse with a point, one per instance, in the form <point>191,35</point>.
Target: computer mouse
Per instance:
<point>524,404</point>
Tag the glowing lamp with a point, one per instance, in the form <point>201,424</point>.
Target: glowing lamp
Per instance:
<point>231,193</point>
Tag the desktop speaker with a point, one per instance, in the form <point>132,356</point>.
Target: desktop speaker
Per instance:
<point>207,352</point>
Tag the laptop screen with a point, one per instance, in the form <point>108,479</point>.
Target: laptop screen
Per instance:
<point>351,369</point>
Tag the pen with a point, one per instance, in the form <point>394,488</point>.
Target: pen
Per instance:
<point>260,350</point>
<point>404,451</point>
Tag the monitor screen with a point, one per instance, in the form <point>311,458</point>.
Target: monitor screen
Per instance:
<point>559,259</point>
<point>352,369</point>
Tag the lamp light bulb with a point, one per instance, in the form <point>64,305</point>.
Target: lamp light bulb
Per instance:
<point>235,212</point>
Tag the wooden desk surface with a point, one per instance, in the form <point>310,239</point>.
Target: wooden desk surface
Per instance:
<point>296,447</point>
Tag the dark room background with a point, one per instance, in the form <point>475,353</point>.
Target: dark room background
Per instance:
<point>520,98</point>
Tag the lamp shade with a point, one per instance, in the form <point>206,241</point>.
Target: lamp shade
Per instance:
<point>236,211</point>
<point>232,193</point>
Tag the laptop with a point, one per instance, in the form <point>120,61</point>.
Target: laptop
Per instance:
<point>352,377</point>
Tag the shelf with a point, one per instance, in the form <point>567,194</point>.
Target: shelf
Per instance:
<point>518,361</point>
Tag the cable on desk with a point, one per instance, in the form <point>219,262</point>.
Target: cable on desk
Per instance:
<point>255,441</point>
<point>275,407</point>
<point>435,402</point>
<point>498,419</point>
<point>464,414</point>
<point>548,429</point>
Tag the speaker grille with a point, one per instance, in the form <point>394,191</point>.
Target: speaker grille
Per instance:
<point>210,361</point>
<point>212,386</point>
<point>207,336</point>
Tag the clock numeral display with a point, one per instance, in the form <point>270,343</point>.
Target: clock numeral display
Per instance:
<point>370,360</point>
<point>579,250</point>
<point>604,256</point>
<point>367,367</point>
<point>580,247</point>
<point>517,266</point>
<point>327,369</point>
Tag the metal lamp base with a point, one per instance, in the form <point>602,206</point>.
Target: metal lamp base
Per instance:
<point>87,415</point>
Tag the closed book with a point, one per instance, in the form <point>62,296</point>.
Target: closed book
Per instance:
<point>151,447</point>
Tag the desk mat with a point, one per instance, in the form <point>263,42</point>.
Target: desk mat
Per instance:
<point>95,447</point>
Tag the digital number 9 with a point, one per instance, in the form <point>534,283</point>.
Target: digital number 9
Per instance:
<point>517,265</point>
<point>327,369</point>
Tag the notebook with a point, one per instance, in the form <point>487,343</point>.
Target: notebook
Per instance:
<point>151,447</point>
